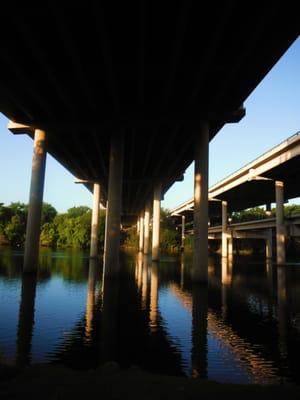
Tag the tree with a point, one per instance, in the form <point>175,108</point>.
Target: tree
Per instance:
<point>48,213</point>
<point>74,212</point>
<point>15,231</point>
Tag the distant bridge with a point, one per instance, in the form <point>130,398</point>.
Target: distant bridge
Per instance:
<point>272,177</point>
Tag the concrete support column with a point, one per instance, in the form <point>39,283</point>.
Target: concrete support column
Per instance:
<point>138,227</point>
<point>112,243</point>
<point>95,221</point>
<point>182,232</point>
<point>280,230</point>
<point>35,202</point>
<point>269,245</point>
<point>200,255</point>
<point>146,228</point>
<point>156,223</point>
<point>105,228</point>
<point>141,240</point>
<point>224,228</point>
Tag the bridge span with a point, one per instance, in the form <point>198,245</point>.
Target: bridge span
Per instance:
<point>110,92</point>
<point>271,178</point>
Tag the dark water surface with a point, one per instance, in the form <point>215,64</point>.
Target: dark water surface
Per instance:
<point>243,328</point>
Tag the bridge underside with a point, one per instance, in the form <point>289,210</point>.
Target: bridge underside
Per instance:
<point>260,192</point>
<point>151,73</point>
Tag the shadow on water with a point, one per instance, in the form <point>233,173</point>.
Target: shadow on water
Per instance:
<point>243,327</point>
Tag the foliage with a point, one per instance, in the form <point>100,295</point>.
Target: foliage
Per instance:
<point>248,215</point>
<point>72,229</point>
<point>169,235</point>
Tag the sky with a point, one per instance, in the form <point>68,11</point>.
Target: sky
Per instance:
<point>272,115</point>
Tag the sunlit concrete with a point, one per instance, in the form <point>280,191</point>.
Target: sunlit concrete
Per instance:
<point>112,243</point>
<point>156,222</point>
<point>224,228</point>
<point>146,228</point>
<point>200,253</point>
<point>182,232</point>
<point>280,229</point>
<point>33,226</point>
<point>95,221</point>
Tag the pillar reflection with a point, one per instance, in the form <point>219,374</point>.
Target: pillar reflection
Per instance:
<point>26,319</point>
<point>144,282</point>
<point>282,310</point>
<point>109,320</point>
<point>182,265</point>
<point>154,297</point>
<point>226,277</point>
<point>90,298</point>
<point>139,269</point>
<point>199,330</point>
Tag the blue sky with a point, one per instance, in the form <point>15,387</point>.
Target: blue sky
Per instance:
<point>272,115</point>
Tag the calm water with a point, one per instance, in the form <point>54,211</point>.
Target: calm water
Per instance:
<point>243,328</point>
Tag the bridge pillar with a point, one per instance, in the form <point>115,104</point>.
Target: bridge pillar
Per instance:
<point>182,232</point>
<point>146,228</point>
<point>156,222</point>
<point>269,245</point>
<point>114,205</point>
<point>95,221</point>
<point>141,239</point>
<point>280,230</point>
<point>224,228</point>
<point>200,254</point>
<point>35,202</point>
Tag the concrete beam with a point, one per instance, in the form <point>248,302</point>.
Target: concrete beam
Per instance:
<point>20,129</point>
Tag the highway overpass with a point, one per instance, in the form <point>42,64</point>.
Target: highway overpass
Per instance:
<point>128,96</point>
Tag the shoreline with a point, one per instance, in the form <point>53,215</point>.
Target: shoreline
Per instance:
<point>54,381</point>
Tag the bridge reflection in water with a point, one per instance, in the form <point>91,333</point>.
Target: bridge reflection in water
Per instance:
<point>243,327</point>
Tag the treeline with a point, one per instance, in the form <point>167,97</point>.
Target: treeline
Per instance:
<point>65,230</point>
<point>73,228</point>
<point>260,213</point>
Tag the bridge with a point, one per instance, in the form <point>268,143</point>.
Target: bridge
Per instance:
<point>111,92</point>
<point>270,178</point>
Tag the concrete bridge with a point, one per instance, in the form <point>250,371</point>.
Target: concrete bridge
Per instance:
<point>110,92</point>
<point>272,177</point>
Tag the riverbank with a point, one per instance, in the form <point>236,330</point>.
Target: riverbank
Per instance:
<point>109,382</point>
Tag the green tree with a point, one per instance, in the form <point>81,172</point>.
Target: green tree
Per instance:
<point>48,213</point>
<point>74,212</point>
<point>15,231</point>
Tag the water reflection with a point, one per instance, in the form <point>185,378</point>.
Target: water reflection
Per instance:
<point>199,331</point>
<point>26,320</point>
<point>153,297</point>
<point>243,327</point>
<point>109,320</point>
<point>90,298</point>
<point>282,312</point>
